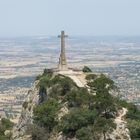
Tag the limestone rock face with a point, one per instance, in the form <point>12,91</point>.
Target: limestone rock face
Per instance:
<point>25,119</point>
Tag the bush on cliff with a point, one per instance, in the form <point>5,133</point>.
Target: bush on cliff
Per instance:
<point>5,124</point>
<point>76,119</point>
<point>45,114</point>
<point>86,69</point>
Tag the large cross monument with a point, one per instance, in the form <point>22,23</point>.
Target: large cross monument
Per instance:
<point>62,59</point>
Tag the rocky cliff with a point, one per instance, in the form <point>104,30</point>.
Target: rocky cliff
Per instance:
<point>25,119</point>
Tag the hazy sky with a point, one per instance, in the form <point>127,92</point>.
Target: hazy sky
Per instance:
<point>76,17</point>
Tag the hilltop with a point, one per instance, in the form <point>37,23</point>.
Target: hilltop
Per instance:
<point>57,108</point>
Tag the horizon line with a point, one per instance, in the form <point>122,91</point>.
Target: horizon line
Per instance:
<point>70,35</point>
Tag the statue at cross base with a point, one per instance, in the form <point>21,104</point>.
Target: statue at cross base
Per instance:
<point>62,66</point>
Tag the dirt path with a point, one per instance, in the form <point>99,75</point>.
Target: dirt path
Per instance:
<point>121,115</point>
<point>121,129</point>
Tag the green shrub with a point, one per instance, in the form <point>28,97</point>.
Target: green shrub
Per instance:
<point>76,119</point>
<point>37,132</point>
<point>45,114</point>
<point>5,124</point>
<point>102,83</point>
<point>61,85</point>
<point>103,125</point>
<point>85,133</point>
<point>134,128</point>
<point>77,98</point>
<point>86,69</point>
<point>91,77</point>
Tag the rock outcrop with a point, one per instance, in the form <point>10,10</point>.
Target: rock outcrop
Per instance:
<point>25,119</point>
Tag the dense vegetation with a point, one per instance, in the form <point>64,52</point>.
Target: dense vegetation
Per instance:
<point>5,124</point>
<point>133,120</point>
<point>91,110</point>
<point>87,112</point>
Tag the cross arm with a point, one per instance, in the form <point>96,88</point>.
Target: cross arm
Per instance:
<point>59,36</point>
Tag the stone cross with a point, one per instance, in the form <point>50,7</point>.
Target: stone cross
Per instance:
<point>62,59</point>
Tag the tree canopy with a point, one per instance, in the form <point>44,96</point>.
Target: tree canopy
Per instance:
<point>89,115</point>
